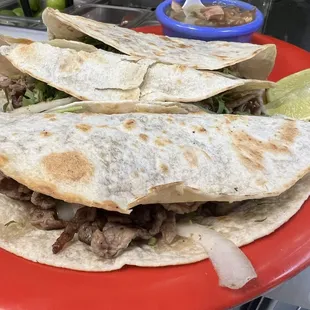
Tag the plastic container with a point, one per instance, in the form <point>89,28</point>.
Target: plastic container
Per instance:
<point>243,33</point>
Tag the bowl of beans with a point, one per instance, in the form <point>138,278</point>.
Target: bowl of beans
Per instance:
<point>223,20</point>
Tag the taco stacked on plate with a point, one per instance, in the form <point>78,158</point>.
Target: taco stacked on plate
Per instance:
<point>102,191</point>
<point>152,175</point>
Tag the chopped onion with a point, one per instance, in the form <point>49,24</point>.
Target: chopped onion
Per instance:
<point>232,266</point>
<point>43,106</point>
<point>66,211</point>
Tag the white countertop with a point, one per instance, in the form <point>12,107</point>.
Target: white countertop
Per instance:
<point>34,35</point>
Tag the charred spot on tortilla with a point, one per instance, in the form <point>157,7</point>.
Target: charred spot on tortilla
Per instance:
<point>83,127</point>
<point>144,137</point>
<point>164,168</point>
<point>3,160</point>
<point>191,157</point>
<point>182,45</point>
<point>130,124</point>
<point>159,53</point>
<point>162,141</point>
<point>251,150</point>
<point>45,133</point>
<point>49,115</point>
<point>181,68</point>
<point>200,129</point>
<point>288,132</point>
<point>68,166</point>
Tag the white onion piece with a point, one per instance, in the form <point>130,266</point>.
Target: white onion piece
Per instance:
<point>176,7</point>
<point>232,266</point>
<point>66,211</point>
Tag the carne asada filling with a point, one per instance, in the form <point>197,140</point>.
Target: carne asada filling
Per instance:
<point>24,90</point>
<point>107,233</point>
<point>246,102</point>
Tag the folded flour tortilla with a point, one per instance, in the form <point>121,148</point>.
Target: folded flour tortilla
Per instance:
<point>252,61</point>
<point>116,162</point>
<point>153,158</point>
<point>244,224</point>
<point>105,76</point>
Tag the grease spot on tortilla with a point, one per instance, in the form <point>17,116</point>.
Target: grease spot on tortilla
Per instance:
<point>170,119</point>
<point>130,124</point>
<point>70,63</point>
<point>162,142</point>
<point>52,119</point>
<point>45,133</point>
<point>191,158</point>
<point>69,166</point>
<point>164,168</point>
<point>182,123</point>
<point>3,160</point>
<point>261,182</point>
<point>143,137</point>
<point>83,127</point>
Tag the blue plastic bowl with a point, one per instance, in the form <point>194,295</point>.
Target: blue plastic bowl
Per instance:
<point>243,33</point>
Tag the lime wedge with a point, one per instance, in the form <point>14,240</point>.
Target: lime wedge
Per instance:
<point>288,84</point>
<point>18,12</point>
<point>56,4</point>
<point>295,104</point>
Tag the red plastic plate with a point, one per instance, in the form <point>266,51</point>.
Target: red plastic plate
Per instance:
<point>277,257</point>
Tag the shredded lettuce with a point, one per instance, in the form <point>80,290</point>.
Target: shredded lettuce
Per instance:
<point>152,241</point>
<point>99,44</point>
<point>42,92</point>
<point>73,109</point>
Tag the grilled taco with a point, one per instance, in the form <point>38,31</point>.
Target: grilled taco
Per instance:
<point>125,188</point>
<point>49,71</point>
<point>245,60</point>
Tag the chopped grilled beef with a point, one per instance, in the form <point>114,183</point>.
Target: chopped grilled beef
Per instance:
<point>118,218</point>
<point>141,216</point>
<point>43,201</point>
<point>114,239</point>
<point>45,219</point>
<point>159,215</point>
<point>15,89</point>
<point>4,81</point>
<point>82,216</point>
<point>86,231</point>
<point>13,189</point>
<point>168,229</point>
<point>182,208</point>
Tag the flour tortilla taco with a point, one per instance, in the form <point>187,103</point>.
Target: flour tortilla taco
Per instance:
<point>145,189</point>
<point>49,72</point>
<point>246,60</point>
